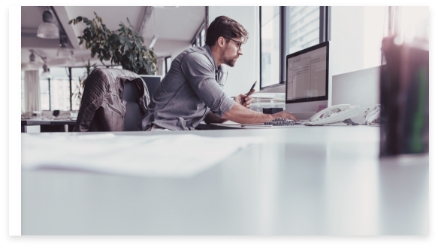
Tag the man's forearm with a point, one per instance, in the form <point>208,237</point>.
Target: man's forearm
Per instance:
<point>212,118</point>
<point>240,114</point>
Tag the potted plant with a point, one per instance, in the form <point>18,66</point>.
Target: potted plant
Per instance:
<point>121,47</point>
<point>80,85</point>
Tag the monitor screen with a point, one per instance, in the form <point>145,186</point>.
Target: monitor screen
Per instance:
<point>307,74</point>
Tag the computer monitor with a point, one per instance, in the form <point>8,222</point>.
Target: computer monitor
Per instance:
<point>307,81</point>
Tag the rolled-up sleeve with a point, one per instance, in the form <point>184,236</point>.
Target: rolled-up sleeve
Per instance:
<point>200,73</point>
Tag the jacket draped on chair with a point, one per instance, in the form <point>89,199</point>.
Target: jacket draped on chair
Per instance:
<point>103,107</point>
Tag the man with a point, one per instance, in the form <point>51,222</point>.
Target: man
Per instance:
<point>192,89</point>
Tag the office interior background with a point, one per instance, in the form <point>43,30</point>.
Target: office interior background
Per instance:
<point>355,33</point>
<point>295,175</point>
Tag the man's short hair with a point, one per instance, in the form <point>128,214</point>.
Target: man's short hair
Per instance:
<point>227,28</point>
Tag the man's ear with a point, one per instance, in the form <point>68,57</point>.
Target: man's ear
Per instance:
<point>221,41</point>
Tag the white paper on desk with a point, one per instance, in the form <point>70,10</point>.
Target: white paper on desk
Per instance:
<point>180,155</point>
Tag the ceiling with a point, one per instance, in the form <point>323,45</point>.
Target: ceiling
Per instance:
<point>175,27</point>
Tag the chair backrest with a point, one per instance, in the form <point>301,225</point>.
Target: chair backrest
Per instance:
<point>152,83</point>
<point>133,114</point>
<point>135,97</point>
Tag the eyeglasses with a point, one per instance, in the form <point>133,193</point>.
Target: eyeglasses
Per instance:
<point>238,43</point>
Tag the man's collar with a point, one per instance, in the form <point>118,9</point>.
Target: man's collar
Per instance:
<point>208,48</point>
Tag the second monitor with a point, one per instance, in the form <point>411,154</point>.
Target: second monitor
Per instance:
<point>307,80</point>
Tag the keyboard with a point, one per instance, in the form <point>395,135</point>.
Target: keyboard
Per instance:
<point>281,122</point>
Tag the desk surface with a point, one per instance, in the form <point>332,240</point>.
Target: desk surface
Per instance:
<point>308,180</point>
<point>47,121</point>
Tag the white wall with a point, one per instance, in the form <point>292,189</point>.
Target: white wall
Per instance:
<point>356,35</point>
<point>246,69</point>
<point>375,23</point>
<point>347,39</point>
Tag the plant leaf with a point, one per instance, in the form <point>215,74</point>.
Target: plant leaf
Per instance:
<point>122,46</point>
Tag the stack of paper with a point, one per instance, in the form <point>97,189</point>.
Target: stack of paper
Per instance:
<point>157,155</point>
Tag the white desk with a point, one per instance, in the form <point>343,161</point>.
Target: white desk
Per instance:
<point>47,123</point>
<point>312,180</point>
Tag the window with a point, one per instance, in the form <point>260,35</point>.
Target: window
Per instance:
<point>59,89</point>
<point>45,94</point>
<point>202,37</point>
<point>77,75</point>
<point>285,30</point>
<point>58,92</point>
<point>22,92</point>
<point>302,27</point>
<point>199,38</point>
<point>270,45</point>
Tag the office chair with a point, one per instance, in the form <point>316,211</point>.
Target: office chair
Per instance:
<point>113,100</point>
<point>152,83</point>
<point>134,113</point>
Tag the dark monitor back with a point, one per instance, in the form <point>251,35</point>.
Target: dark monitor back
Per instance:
<point>152,83</point>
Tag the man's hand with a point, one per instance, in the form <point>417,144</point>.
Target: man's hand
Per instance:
<point>245,100</point>
<point>238,113</point>
<point>285,115</point>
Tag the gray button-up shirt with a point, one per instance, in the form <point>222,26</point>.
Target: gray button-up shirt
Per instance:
<point>191,88</point>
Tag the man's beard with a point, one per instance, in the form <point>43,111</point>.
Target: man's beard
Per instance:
<point>230,62</point>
